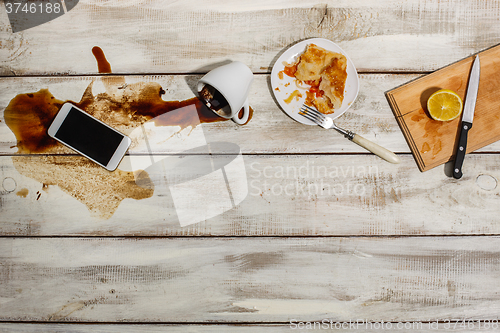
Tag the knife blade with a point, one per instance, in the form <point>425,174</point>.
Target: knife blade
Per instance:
<point>467,117</point>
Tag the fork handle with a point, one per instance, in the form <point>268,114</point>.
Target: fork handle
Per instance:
<point>387,155</point>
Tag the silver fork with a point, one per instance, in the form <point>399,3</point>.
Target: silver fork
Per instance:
<point>327,122</point>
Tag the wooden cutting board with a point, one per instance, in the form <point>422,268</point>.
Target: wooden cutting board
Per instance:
<point>433,142</point>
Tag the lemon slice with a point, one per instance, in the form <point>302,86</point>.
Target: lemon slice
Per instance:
<point>444,105</point>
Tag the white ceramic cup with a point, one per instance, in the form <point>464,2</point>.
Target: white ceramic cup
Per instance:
<point>233,82</point>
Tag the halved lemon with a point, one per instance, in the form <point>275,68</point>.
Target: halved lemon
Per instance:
<point>444,105</point>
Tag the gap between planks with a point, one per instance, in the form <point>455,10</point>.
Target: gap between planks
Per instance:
<point>247,236</point>
<point>360,72</point>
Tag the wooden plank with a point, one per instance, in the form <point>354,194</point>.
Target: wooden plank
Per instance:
<point>269,131</point>
<point>138,328</point>
<point>186,36</point>
<point>459,325</point>
<point>286,195</point>
<point>249,279</point>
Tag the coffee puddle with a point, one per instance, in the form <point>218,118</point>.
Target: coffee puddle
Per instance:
<point>124,107</point>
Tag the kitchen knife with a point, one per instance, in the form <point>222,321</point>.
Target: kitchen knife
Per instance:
<point>467,117</point>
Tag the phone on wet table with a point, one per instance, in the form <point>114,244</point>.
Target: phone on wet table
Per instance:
<point>89,136</point>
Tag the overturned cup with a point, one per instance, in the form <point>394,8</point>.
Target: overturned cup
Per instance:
<point>225,91</point>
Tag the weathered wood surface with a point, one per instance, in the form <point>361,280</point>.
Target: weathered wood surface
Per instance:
<point>139,328</point>
<point>249,279</point>
<point>459,325</point>
<point>331,257</point>
<point>192,36</point>
<point>270,131</point>
<point>287,195</point>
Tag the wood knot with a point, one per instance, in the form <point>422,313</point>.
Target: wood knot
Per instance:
<point>317,15</point>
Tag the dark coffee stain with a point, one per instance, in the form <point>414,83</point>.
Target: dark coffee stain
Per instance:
<point>103,66</point>
<point>23,193</point>
<point>29,116</point>
<point>100,190</point>
<point>124,107</point>
<point>143,101</point>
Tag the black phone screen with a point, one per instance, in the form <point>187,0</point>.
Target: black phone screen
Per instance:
<point>85,134</point>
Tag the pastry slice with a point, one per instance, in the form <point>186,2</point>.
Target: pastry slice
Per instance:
<point>333,81</point>
<point>325,71</point>
<point>312,63</point>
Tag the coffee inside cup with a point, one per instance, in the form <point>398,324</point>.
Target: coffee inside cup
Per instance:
<point>215,101</point>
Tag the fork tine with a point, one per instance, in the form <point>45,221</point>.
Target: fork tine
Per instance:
<point>313,111</point>
<point>311,115</point>
<point>311,118</point>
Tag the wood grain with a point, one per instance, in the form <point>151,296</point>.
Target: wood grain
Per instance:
<point>139,328</point>
<point>287,195</point>
<point>249,279</point>
<point>368,240</point>
<point>194,36</point>
<point>433,142</point>
<point>461,325</point>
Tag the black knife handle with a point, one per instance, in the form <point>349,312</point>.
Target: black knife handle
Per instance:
<point>462,147</point>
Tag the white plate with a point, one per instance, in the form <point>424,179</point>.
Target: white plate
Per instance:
<point>282,88</point>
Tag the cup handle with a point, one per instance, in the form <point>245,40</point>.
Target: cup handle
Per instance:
<point>246,114</point>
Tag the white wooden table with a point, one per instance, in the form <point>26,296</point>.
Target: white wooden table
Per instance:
<point>367,242</point>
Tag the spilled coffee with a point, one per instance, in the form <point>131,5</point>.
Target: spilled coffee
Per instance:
<point>215,101</point>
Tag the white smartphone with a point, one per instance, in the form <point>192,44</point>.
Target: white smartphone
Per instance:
<point>89,136</point>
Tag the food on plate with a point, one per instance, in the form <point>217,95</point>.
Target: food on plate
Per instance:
<point>325,72</point>
<point>444,105</point>
<point>296,94</point>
